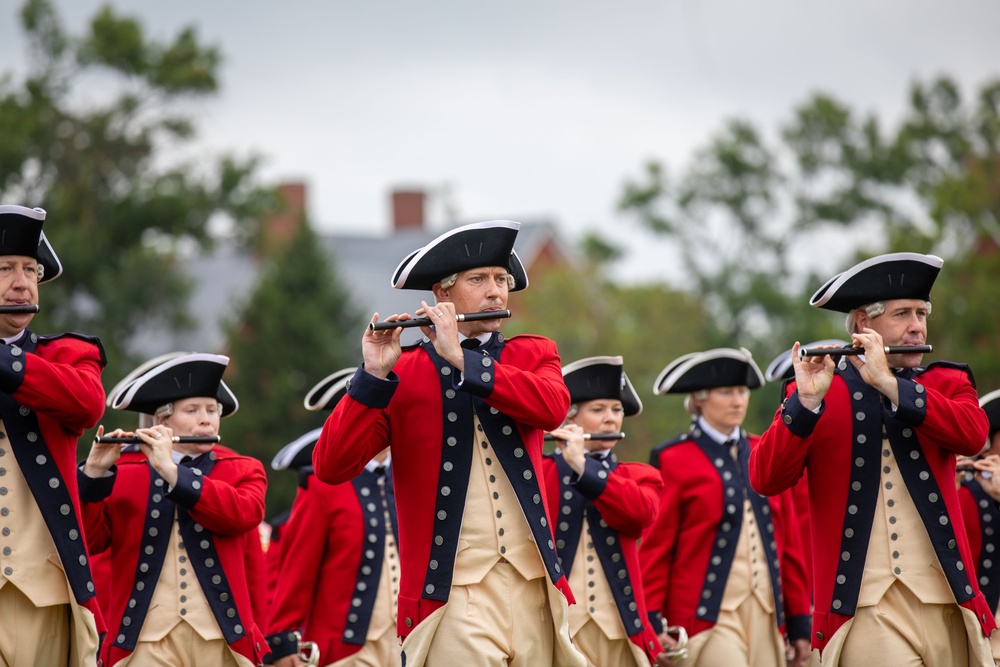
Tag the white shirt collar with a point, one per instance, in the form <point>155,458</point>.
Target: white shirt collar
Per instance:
<point>371,465</point>
<point>716,435</point>
<point>482,338</point>
<point>10,339</point>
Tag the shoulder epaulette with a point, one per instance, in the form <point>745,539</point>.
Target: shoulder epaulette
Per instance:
<point>94,340</point>
<point>954,365</point>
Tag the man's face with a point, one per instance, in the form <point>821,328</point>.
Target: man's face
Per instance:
<point>601,415</point>
<point>18,287</point>
<point>725,408</point>
<point>477,290</point>
<point>904,322</point>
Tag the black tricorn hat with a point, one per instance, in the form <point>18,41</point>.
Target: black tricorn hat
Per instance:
<point>21,234</point>
<point>328,391</point>
<point>192,375</point>
<point>601,377</point>
<point>781,368</point>
<point>467,247</point>
<point>298,453</point>
<point>990,403</point>
<point>721,367</point>
<point>899,275</point>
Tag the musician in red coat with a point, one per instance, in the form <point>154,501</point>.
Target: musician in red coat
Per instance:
<point>338,585</point>
<point>722,561</point>
<point>177,525</point>
<point>979,493</point>
<point>604,505</point>
<point>480,578</point>
<point>50,392</point>
<point>878,434</point>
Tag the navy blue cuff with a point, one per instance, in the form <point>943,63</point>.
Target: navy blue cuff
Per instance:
<point>281,645</point>
<point>187,490</point>
<point>477,379</point>
<point>593,480</point>
<point>798,627</point>
<point>95,489</point>
<point>369,390</point>
<point>11,368</point>
<point>800,420</point>
<point>912,406</point>
<point>657,622</point>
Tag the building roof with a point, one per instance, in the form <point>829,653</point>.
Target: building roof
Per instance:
<point>363,264</point>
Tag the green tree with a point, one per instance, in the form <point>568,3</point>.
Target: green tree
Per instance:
<point>648,325</point>
<point>761,224</point>
<point>120,211</point>
<point>295,328</point>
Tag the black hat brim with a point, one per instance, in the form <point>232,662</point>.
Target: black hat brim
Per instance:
<point>901,275</point>
<point>298,453</point>
<point>472,246</point>
<point>596,378</point>
<point>721,367</point>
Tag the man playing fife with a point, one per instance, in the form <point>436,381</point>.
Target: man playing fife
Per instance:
<point>893,574</point>
<point>464,413</point>
<point>50,391</point>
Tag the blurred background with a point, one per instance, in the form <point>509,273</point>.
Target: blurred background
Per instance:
<point>242,178</point>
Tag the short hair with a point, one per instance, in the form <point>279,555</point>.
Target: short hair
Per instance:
<point>574,410</point>
<point>872,310</point>
<point>449,281</point>
<point>689,400</point>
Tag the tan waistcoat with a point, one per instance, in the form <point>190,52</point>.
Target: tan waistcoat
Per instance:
<point>28,556</point>
<point>590,585</point>
<point>899,547</point>
<point>749,574</point>
<point>384,611</point>
<point>178,596</point>
<point>493,526</point>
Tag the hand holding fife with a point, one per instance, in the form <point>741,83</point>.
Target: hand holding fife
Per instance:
<point>444,335</point>
<point>103,455</point>
<point>158,447</point>
<point>569,438</point>
<point>874,369</point>
<point>381,349</point>
<point>988,474</point>
<point>813,377</point>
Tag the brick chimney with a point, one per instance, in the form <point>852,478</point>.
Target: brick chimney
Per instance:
<point>280,227</point>
<point>408,209</point>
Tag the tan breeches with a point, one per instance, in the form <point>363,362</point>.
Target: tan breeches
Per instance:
<point>601,651</point>
<point>502,621</point>
<point>31,635</point>
<point>747,636</point>
<point>184,646</point>
<point>901,631</point>
<point>382,652</point>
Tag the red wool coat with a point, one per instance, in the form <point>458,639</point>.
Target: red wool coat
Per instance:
<point>228,502</point>
<point>520,381</point>
<point>325,537</point>
<point>938,416</point>
<point>50,392</point>
<point>627,499</point>
<point>701,505</point>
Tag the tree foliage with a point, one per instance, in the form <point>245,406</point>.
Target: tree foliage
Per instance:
<point>762,223</point>
<point>87,135</point>
<point>295,328</point>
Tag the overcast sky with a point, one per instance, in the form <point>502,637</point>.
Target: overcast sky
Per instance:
<point>534,109</point>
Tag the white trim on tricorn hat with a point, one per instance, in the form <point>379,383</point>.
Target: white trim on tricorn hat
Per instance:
<point>471,246</point>
<point>328,391</point>
<point>720,367</point>
<point>594,378</point>
<point>21,234</point>
<point>297,453</point>
<point>781,367</point>
<point>899,275</point>
<point>193,375</point>
<point>139,370</point>
<point>990,403</point>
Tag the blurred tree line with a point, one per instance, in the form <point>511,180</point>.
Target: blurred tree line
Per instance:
<point>94,131</point>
